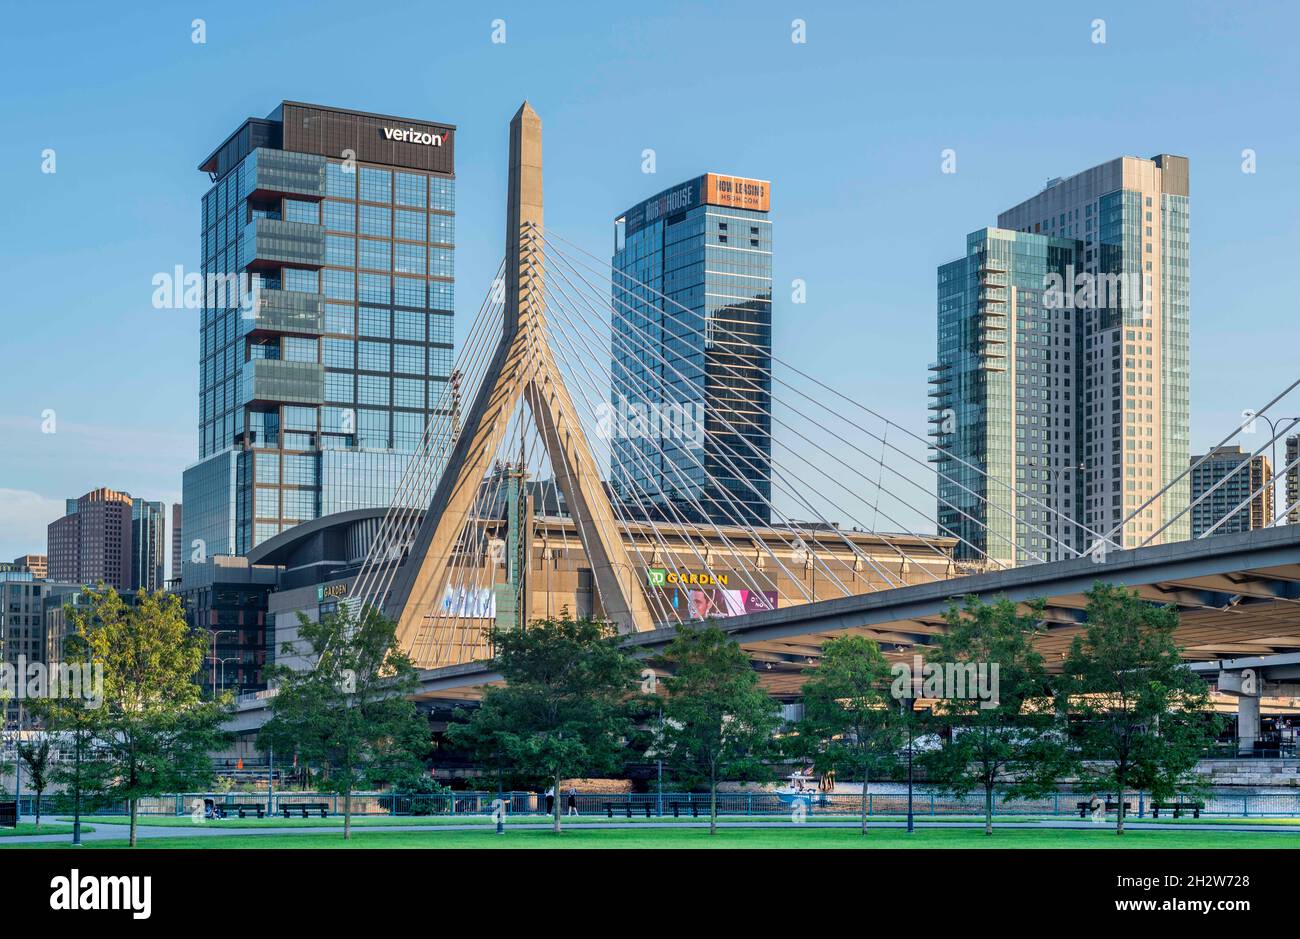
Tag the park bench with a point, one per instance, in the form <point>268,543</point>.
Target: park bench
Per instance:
<point>695,809</point>
<point>609,809</point>
<point>1178,808</point>
<point>8,814</point>
<point>240,807</point>
<point>1086,807</point>
<point>305,807</point>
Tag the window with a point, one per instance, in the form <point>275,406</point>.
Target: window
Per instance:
<point>339,353</point>
<point>340,216</point>
<point>372,389</point>
<point>408,325</point>
<point>376,220</point>
<point>340,318</point>
<point>376,185</point>
<point>411,190</point>
<point>373,288</point>
<point>339,182</point>
<point>372,322</point>
<point>376,255</point>
<point>408,359</point>
<point>296,210</point>
<point>408,393</point>
<point>411,225</point>
<point>375,356</point>
<point>338,387</point>
<point>341,251</point>
<point>410,259</point>
<point>301,281</point>
<point>408,292</point>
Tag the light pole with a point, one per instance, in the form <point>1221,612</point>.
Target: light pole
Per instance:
<point>223,661</point>
<point>1272,427</point>
<point>214,633</point>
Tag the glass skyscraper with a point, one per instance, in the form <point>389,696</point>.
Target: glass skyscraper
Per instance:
<point>313,399</point>
<point>691,375</point>
<point>1096,418</point>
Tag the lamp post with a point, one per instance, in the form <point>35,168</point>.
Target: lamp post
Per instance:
<point>1272,427</point>
<point>222,661</point>
<point>214,633</point>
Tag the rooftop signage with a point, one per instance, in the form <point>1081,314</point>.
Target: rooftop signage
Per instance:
<point>735,192</point>
<point>412,135</point>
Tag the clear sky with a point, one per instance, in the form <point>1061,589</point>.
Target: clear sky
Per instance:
<point>849,126</point>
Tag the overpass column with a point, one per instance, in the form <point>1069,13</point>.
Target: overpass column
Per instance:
<point>1247,721</point>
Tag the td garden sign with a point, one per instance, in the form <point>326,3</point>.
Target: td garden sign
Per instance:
<point>659,577</point>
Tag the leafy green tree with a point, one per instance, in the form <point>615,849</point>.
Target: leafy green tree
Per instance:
<point>718,721</point>
<point>566,707</point>
<point>36,758</point>
<point>1141,720</point>
<point>349,713</point>
<point>996,709</point>
<point>155,732</point>
<point>851,722</point>
<point>76,721</point>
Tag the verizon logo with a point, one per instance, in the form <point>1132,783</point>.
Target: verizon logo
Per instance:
<point>411,135</point>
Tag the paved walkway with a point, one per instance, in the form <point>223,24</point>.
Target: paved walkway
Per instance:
<point>119,832</point>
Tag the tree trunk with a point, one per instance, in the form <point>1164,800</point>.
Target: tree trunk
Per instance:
<point>713,801</point>
<point>555,804</point>
<point>347,814</point>
<point>865,774</point>
<point>38,808</point>
<point>988,809</point>
<point>1119,811</point>
<point>131,805</point>
<point>76,794</point>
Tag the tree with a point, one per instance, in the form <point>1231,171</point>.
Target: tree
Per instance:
<point>850,721</point>
<point>76,720</point>
<point>718,721</point>
<point>349,713</point>
<point>565,709</point>
<point>155,731</point>
<point>995,705</point>
<point>36,757</point>
<point>1141,713</point>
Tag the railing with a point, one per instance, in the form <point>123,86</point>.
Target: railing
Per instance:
<point>688,804</point>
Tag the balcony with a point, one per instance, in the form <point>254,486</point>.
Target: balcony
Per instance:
<point>277,381</point>
<point>271,243</point>
<point>275,173</point>
<point>285,312</point>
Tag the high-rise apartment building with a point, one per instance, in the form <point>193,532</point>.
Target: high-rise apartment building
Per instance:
<point>698,362</point>
<point>1292,489</point>
<point>1069,395</point>
<point>92,542</point>
<point>177,543</point>
<point>148,545</point>
<point>1234,489</point>
<point>313,398</point>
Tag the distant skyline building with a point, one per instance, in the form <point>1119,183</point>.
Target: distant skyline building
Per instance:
<point>706,244</point>
<point>38,564</point>
<point>148,545</point>
<point>313,399</point>
<point>1235,489</point>
<point>92,542</point>
<point>177,544</point>
<point>1292,493</point>
<point>1071,392</point>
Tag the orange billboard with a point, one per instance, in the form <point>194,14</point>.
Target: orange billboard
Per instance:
<point>737,192</point>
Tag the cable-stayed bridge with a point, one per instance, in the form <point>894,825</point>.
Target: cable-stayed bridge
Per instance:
<point>606,449</point>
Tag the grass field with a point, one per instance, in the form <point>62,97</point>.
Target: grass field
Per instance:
<point>47,828</point>
<point>785,837</point>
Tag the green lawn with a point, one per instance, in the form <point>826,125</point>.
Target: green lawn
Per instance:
<point>47,828</point>
<point>786,837</point>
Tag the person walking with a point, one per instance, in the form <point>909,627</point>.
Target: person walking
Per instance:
<point>573,801</point>
<point>550,801</point>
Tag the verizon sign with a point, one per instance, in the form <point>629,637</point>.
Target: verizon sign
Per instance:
<point>411,135</point>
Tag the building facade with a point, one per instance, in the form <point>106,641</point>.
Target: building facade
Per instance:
<point>1107,378</point>
<point>316,384</point>
<point>1008,479</point>
<point>37,564</point>
<point>698,362</point>
<point>148,545</point>
<point>92,542</point>
<point>178,555</point>
<point>1292,464</point>
<point>1231,492</point>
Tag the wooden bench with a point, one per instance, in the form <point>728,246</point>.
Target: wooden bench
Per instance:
<point>695,809</point>
<point>1178,808</point>
<point>305,807</point>
<point>627,806</point>
<point>223,811</point>
<point>1086,807</point>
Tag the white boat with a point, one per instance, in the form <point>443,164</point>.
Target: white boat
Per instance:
<point>802,787</point>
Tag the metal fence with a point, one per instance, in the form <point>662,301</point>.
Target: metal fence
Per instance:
<point>682,804</point>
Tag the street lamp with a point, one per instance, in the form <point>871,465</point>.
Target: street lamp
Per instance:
<point>1272,427</point>
<point>214,633</point>
<point>223,661</point>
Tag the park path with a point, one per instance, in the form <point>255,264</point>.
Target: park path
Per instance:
<point>119,832</point>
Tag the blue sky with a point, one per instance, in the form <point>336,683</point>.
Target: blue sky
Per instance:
<point>849,127</point>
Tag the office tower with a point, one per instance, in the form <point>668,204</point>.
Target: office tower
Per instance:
<point>92,542</point>
<point>1001,395</point>
<point>706,245</point>
<point>1235,492</point>
<point>177,545</point>
<point>1132,299</point>
<point>148,545</point>
<point>313,398</point>
<point>1292,464</point>
<point>1094,405</point>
